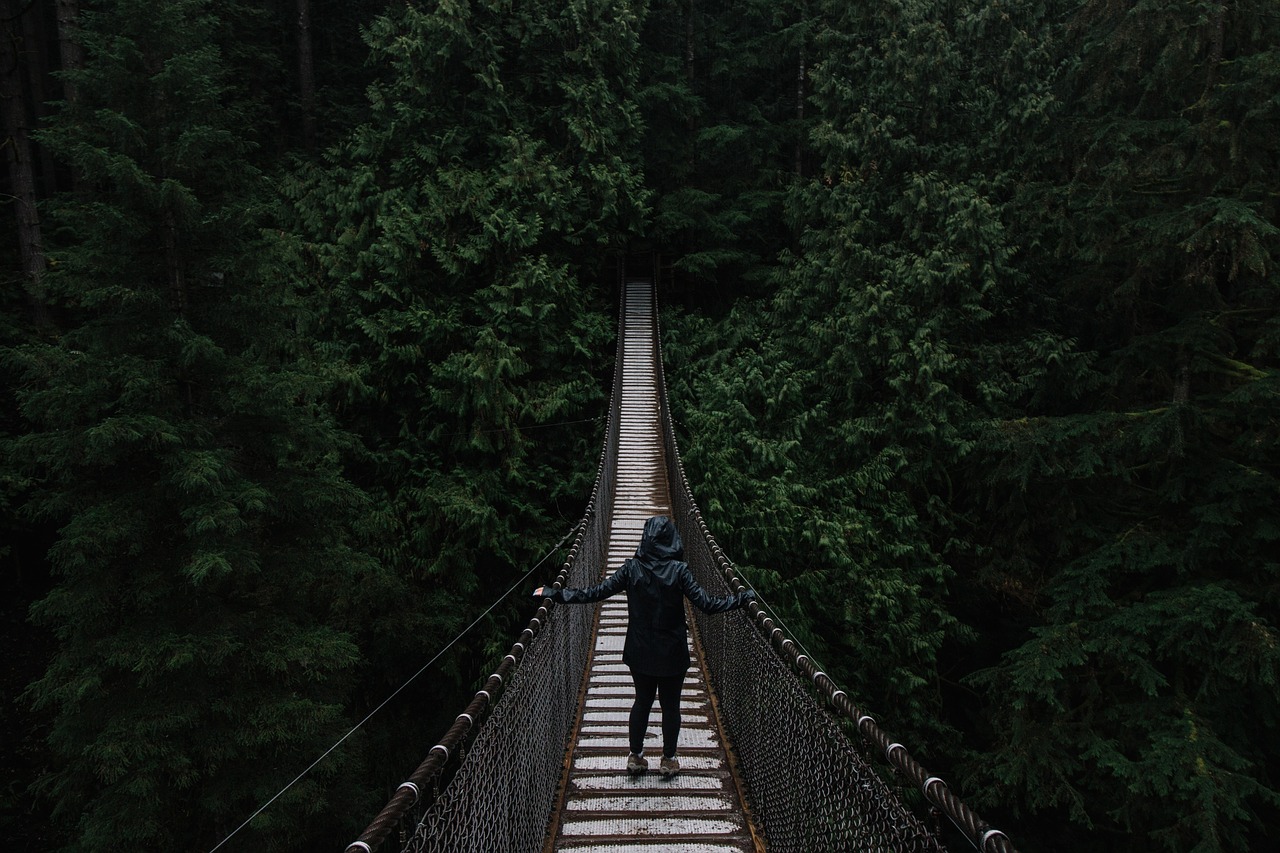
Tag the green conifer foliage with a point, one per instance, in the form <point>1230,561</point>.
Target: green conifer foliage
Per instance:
<point>722,92</point>
<point>208,595</point>
<point>898,329</point>
<point>458,238</point>
<point>1144,701</point>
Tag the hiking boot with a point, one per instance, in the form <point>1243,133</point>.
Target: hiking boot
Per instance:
<point>669,767</point>
<point>637,764</point>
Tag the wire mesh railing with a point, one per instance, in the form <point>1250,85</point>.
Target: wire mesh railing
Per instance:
<point>500,796</point>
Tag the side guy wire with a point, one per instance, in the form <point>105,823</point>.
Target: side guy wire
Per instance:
<point>397,691</point>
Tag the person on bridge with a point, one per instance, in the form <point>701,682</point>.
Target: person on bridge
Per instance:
<point>656,580</point>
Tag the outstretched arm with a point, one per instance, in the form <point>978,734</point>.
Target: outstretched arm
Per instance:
<point>710,604</point>
<point>613,584</point>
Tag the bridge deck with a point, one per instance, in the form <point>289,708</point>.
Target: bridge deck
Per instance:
<point>604,809</point>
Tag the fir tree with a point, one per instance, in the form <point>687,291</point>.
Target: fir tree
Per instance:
<point>722,90</point>
<point>457,241</point>
<point>208,593</point>
<point>901,326</point>
<point>1143,701</point>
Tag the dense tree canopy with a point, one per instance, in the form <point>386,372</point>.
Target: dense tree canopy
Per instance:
<point>973,354</point>
<point>1031,318</point>
<point>177,439</point>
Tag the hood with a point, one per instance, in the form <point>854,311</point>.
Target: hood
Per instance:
<point>660,542</point>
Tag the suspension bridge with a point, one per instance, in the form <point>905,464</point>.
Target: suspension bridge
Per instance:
<point>774,756</point>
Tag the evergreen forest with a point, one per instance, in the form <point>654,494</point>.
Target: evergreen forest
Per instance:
<point>971,326</point>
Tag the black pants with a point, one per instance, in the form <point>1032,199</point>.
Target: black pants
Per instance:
<point>668,691</point>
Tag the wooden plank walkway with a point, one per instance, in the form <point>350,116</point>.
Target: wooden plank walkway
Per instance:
<point>604,809</point>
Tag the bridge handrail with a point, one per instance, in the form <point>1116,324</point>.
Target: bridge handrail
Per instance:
<point>410,792</point>
<point>935,790</point>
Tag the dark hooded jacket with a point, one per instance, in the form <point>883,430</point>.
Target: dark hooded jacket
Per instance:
<point>656,581</point>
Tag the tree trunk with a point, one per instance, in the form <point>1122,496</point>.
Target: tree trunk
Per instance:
<point>306,74</point>
<point>690,121</point>
<point>36,61</point>
<point>800,72</point>
<point>688,43</point>
<point>69,45</point>
<point>173,263</point>
<point>1217,35</point>
<point>17,146</point>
